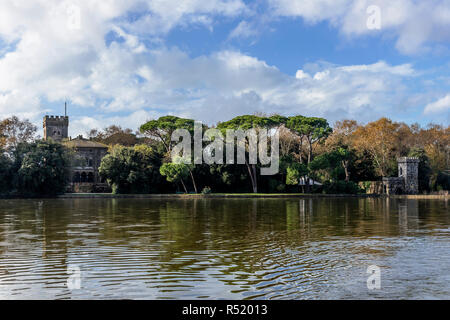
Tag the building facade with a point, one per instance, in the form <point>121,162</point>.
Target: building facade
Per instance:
<point>87,156</point>
<point>84,169</point>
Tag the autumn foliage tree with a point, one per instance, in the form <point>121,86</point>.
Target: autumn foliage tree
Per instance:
<point>14,131</point>
<point>380,139</point>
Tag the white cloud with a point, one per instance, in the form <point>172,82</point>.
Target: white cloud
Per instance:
<point>48,60</point>
<point>50,63</point>
<point>416,25</point>
<point>166,14</point>
<point>300,74</point>
<point>380,67</point>
<point>440,106</point>
<point>227,83</point>
<point>243,30</point>
<point>82,125</point>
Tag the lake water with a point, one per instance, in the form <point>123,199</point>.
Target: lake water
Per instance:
<point>224,248</point>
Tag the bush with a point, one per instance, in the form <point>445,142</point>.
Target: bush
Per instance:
<point>340,186</point>
<point>206,190</point>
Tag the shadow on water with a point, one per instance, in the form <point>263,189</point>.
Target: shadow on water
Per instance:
<point>224,248</point>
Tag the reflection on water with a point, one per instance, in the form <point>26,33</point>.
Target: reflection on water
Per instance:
<point>224,249</point>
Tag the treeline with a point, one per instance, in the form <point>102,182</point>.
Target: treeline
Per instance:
<point>139,162</point>
<point>28,165</point>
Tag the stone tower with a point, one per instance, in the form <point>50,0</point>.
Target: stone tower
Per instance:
<point>56,127</point>
<point>408,169</point>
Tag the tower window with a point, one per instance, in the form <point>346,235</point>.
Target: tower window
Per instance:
<point>401,171</point>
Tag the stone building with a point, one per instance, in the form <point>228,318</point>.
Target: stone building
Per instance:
<point>56,127</point>
<point>84,169</point>
<point>84,176</point>
<point>407,181</point>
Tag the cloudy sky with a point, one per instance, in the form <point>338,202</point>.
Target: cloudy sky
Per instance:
<point>125,62</point>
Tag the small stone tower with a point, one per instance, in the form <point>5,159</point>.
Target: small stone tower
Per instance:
<point>408,169</point>
<point>56,127</point>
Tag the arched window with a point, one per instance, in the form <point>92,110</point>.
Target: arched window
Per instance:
<point>90,177</point>
<point>76,177</point>
<point>83,177</point>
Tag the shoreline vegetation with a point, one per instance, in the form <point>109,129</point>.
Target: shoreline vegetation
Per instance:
<point>443,196</point>
<point>341,159</point>
<point>245,196</point>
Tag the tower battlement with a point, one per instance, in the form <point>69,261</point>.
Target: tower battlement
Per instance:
<point>56,127</point>
<point>408,159</point>
<point>56,118</point>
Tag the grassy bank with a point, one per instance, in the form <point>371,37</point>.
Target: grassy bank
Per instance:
<point>219,196</point>
<point>238,195</point>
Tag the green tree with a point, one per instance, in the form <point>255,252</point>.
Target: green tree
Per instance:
<point>6,173</point>
<point>131,169</point>
<point>295,172</point>
<point>175,172</point>
<point>311,130</point>
<point>43,168</point>
<point>334,163</point>
<point>163,128</point>
<point>247,122</point>
<point>342,140</point>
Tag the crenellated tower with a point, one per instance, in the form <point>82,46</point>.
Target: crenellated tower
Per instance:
<point>56,127</point>
<point>408,169</point>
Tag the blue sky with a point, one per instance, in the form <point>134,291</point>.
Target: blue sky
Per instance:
<point>125,63</point>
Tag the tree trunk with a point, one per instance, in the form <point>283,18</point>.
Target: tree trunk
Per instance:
<point>309,151</point>
<point>251,176</point>
<point>193,181</point>
<point>185,190</point>
<point>255,186</point>
<point>347,174</point>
